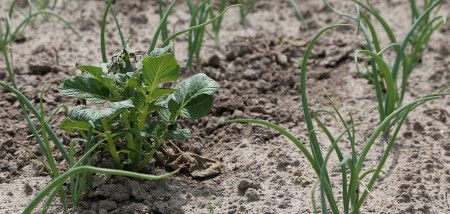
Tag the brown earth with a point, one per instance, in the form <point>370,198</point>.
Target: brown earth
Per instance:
<point>263,172</point>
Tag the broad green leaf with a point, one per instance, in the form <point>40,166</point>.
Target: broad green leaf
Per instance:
<point>160,92</point>
<point>197,85</point>
<point>123,78</point>
<point>138,100</point>
<point>160,51</point>
<point>157,105</point>
<point>198,107</point>
<point>159,69</point>
<point>98,73</point>
<point>85,87</point>
<point>155,53</point>
<point>178,134</point>
<point>194,97</point>
<point>134,83</point>
<point>156,129</point>
<point>139,64</point>
<point>71,125</point>
<point>87,113</point>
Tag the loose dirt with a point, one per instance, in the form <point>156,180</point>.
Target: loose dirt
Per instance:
<point>259,171</point>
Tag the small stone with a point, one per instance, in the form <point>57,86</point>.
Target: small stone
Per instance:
<point>246,184</point>
<point>99,180</point>
<point>214,61</point>
<point>241,49</point>
<point>139,19</point>
<point>418,127</point>
<point>282,59</point>
<point>258,109</point>
<point>107,205</point>
<point>27,189</point>
<point>305,181</point>
<point>238,114</point>
<point>249,74</point>
<point>212,125</point>
<point>252,195</point>
<point>37,150</point>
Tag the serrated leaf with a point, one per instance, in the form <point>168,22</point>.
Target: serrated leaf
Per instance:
<point>87,113</point>
<point>161,69</point>
<point>85,87</point>
<point>178,134</point>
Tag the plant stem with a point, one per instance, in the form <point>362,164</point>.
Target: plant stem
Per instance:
<point>112,145</point>
<point>152,152</point>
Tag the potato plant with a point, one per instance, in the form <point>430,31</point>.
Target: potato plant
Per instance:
<point>137,111</point>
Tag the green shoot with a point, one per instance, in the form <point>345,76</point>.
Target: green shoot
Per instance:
<point>10,35</point>
<point>390,93</point>
<point>138,111</point>
<point>246,8</point>
<point>196,30</point>
<point>351,165</point>
<point>78,169</point>
<point>299,14</point>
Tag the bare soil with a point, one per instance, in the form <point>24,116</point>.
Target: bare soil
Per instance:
<point>262,172</point>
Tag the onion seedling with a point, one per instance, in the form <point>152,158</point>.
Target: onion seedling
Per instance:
<point>351,165</point>
<point>246,7</point>
<point>389,93</point>
<point>299,14</point>
<point>9,35</point>
<point>250,4</point>
<point>196,31</point>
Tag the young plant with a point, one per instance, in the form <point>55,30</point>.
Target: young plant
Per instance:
<point>140,112</point>
<point>199,16</point>
<point>249,4</point>
<point>9,35</point>
<point>353,174</point>
<point>246,7</point>
<point>217,24</point>
<point>299,14</point>
<point>134,98</point>
<point>137,111</point>
<point>196,30</point>
<point>78,168</point>
<point>408,54</point>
